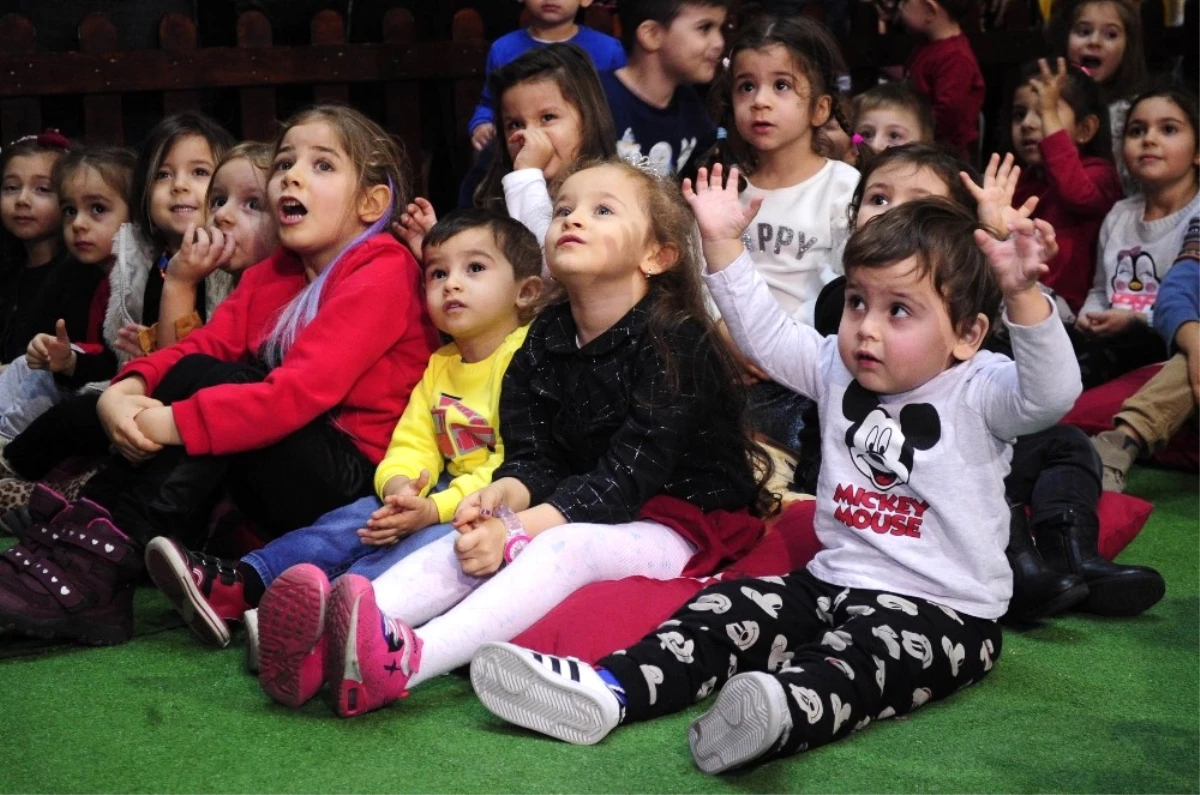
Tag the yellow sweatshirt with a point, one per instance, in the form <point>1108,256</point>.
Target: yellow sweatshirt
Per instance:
<point>452,422</point>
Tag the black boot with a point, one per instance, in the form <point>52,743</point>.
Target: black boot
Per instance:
<point>1068,542</point>
<point>1038,590</point>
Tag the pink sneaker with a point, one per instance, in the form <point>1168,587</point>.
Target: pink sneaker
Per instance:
<point>370,657</point>
<point>291,635</point>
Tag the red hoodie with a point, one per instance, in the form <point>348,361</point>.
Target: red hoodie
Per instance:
<point>1075,194</point>
<point>358,359</point>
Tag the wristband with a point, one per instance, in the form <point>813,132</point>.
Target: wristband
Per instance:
<point>517,538</point>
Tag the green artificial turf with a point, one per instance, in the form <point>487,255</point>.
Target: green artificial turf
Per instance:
<point>1078,704</point>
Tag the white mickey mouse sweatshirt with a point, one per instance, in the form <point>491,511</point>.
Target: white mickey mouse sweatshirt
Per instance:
<point>910,498</point>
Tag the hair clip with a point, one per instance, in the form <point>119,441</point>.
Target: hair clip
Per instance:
<point>51,138</point>
<point>856,139</point>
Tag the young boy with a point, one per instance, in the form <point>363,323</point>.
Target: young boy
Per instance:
<point>892,114</point>
<point>945,70</point>
<point>552,20</point>
<point>481,281</point>
<point>672,44</point>
<point>899,607</point>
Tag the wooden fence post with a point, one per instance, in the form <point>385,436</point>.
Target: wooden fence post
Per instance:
<point>103,122</point>
<point>328,28</point>
<point>177,34</point>
<point>402,99</point>
<point>258,102</point>
<point>18,115</point>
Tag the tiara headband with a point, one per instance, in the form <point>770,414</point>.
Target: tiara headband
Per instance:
<point>52,138</point>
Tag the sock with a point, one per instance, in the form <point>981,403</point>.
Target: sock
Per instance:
<point>616,687</point>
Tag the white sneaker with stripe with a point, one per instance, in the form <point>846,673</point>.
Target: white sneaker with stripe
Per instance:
<point>559,696</point>
<point>749,718</point>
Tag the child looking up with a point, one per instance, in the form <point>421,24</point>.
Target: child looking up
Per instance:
<point>550,21</point>
<point>899,608</point>
<point>625,453</point>
<point>1060,135</point>
<point>944,69</point>
<point>481,279</point>
<point>892,114</point>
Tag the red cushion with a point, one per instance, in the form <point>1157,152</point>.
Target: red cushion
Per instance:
<point>1094,410</point>
<point>1122,517</point>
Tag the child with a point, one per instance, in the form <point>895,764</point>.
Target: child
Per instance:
<point>625,454</point>
<point>899,608</point>
<point>1140,237</point>
<point>1060,133</point>
<point>480,284</point>
<point>945,70</point>
<point>550,22</point>
<point>30,215</point>
<point>672,46</point>
<point>782,88</point>
<point>267,400</point>
<point>892,114</point>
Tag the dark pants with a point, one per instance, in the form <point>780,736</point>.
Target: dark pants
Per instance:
<point>1101,359</point>
<point>70,428</point>
<point>844,656</point>
<point>280,487</point>
<point>1053,471</point>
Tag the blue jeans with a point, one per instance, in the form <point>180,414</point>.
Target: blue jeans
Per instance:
<point>333,546</point>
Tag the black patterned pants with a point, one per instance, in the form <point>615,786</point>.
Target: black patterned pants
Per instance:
<point>844,656</point>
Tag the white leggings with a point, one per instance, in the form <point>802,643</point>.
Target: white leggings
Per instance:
<point>456,613</point>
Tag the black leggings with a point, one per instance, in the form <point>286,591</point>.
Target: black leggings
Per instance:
<point>70,428</point>
<point>280,487</point>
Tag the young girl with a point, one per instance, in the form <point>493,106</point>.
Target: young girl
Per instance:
<point>552,112</point>
<point>1140,237</point>
<point>1104,38</point>
<point>892,114</point>
<point>781,86</point>
<point>286,398</point>
<point>30,216</point>
<point>626,454</point>
<point>1060,134</point>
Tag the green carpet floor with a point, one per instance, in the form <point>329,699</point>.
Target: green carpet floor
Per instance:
<point>1079,704</point>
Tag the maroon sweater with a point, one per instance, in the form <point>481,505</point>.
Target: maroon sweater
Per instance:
<point>358,359</point>
<point>946,71</point>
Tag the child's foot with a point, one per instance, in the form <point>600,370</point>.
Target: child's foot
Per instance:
<point>291,633</point>
<point>559,696</point>
<point>250,621</point>
<point>749,717</point>
<point>370,657</point>
<point>206,590</point>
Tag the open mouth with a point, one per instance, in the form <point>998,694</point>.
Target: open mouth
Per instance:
<point>865,358</point>
<point>182,209</point>
<point>291,211</point>
<point>1090,61</point>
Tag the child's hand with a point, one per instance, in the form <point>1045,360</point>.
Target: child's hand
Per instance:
<point>994,198</point>
<point>399,515</point>
<point>117,408</point>
<point>534,149</point>
<point>480,506</point>
<point>1048,86</point>
<point>52,352</point>
<point>1018,264</point>
<point>415,222</point>
<point>1108,321</point>
<point>482,135</point>
<point>480,549</point>
<point>157,423</point>
<point>202,252</point>
<point>719,214</point>
<point>129,339</point>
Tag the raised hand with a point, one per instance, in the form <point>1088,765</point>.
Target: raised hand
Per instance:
<point>204,249</point>
<point>1018,264</point>
<point>51,351</point>
<point>1048,86</point>
<point>719,214</point>
<point>415,222</point>
<point>995,196</point>
<point>483,135</point>
<point>532,149</point>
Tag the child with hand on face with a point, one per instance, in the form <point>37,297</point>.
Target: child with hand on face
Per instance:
<point>899,608</point>
<point>481,281</point>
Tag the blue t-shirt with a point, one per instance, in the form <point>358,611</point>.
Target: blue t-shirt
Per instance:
<point>667,136</point>
<point>605,51</point>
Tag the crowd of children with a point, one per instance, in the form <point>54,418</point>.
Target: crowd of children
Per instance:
<point>444,424</point>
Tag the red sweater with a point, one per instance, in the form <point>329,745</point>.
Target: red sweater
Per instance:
<point>946,71</point>
<point>359,357</point>
<point>1075,194</point>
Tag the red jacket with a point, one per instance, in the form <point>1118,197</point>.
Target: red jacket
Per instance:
<point>359,357</point>
<point>1075,194</point>
<point>946,71</point>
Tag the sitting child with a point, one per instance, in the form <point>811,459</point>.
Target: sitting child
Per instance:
<point>899,608</point>
<point>892,114</point>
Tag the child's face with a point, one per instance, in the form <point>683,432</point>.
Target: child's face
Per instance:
<point>92,212</point>
<point>1097,40</point>
<point>599,230</point>
<point>314,194</point>
<point>28,203</point>
<point>913,14</point>
<point>178,186</point>
<point>1160,144</point>
<point>897,183</point>
<point>551,13</point>
<point>470,288</point>
<point>773,101</point>
<point>888,126</point>
<point>1027,124</point>
<point>691,45</point>
<point>538,106</point>
<point>237,205</point>
<point>895,333</point>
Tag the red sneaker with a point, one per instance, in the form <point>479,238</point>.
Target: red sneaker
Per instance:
<point>206,590</point>
<point>291,635</point>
